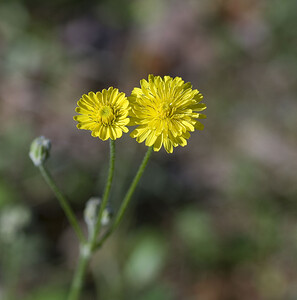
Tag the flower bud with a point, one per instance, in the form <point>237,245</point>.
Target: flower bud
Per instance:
<point>39,150</point>
<point>91,212</point>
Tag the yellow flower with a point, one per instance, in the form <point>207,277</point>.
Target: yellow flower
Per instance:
<point>166,110</point>
<point>104,113</point>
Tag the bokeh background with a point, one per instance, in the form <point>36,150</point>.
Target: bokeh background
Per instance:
<point>215,220</point>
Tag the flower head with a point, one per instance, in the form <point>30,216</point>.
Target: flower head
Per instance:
<point>104,113</point>
<point>166,110</point>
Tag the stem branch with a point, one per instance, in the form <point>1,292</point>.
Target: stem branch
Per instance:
<point>87,249</point>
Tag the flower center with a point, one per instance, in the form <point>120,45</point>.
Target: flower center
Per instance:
<point>106,115</point>
<point>165,111</point>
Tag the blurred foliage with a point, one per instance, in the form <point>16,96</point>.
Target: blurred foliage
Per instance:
<point>214,221</point>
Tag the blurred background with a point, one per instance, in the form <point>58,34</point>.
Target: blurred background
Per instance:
<point>215,220</point>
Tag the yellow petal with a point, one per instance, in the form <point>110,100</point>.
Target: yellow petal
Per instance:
<point>158,143</point>
<point>151,139</point>
<point>199,125</point>
<point>198,107</point>
<point>188,125</point>
<point>86,125</point>
<point>81,118</point>
<point>86,99</point>
<point>125,129</point>
<point>141,137</point>
<point>99,97</point>
<point>168,146</point>
<point>202,116</point>
<point>181,141</point>
<point>85,105</point>
<point>119,131</point>
<point>103,134</point>
<point>82,111</point>
<point>93,98</point>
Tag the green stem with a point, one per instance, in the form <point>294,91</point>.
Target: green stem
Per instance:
<point>63,202</point>
<point>127,198</point>
<point>79,276</point>
<point>106,193</point>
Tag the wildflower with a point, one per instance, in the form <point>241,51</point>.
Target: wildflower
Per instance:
<point>166,110</point>
<point>104,113</point>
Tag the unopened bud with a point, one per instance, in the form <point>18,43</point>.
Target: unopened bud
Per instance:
<point>91,212</point>
<point>39,150</point>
